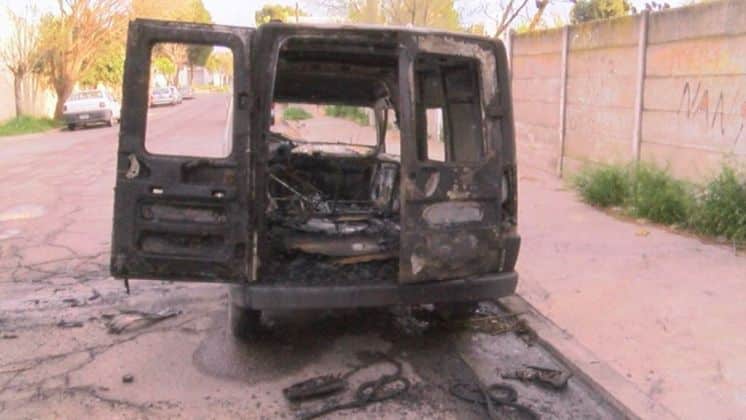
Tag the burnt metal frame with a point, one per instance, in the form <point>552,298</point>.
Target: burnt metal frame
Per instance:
<point>425,249</point>
<point>250,168</point>
<point>145,177</point>
<point>266,48</point>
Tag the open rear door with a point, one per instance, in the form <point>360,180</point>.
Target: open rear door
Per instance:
<point>452,171</point>
<point>183,218</point>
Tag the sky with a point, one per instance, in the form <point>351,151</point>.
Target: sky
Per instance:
<point>241,12</point>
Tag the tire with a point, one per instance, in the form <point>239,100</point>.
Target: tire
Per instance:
<point>244,323</point>
<point>456,311</point>
<point>71,127</point>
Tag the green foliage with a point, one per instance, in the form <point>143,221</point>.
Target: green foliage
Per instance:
<point>27,125</point>
<point>221,62</point>
<point>108,69</point>
<point>439,14</point>
<point>74,36</point>
<point>646,191</point>
<point>722,207</point>
<point>365,11</point>
<point>352,113</point>
<point>164,66</point>
<point>197,55</point>
<point>587,10</point>
<point>652,193</point>
<point>294,113</point>
<point>178,10</point>
<point>603,185</point>
<point>659,197</point>
<point>272,12</point>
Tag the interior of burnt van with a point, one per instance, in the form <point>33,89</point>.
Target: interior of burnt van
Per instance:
<point>332,196</point>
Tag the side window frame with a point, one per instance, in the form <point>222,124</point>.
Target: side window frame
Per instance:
<point>421,108</point>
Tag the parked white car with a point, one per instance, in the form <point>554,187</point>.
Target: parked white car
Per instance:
<point>186,92</point>
<point>165,96</point>
<point>91,107</point>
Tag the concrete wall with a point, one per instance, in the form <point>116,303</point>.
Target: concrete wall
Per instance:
<point>600,96</point>
<point>692,114</point>
<point>7,103</point>
<point>36,100</point>
<point>536,71</point>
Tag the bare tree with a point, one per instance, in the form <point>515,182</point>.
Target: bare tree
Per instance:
<point>506,12</point>
<point>440,14</point>
<point>509,10</point>
<point>437,13</point>
<point>20,53</point>
<point>72,38</point>
<point>541,5</point>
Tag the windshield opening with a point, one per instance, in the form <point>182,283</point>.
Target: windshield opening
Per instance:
<point>330,128</point>
<point>330,95</point>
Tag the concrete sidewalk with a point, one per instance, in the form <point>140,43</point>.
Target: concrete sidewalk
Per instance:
<point>666,311</point>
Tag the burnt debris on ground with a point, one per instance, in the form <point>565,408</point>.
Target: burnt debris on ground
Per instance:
<point>385,387</point>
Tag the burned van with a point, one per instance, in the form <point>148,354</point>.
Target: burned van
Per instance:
<point>420,209</point>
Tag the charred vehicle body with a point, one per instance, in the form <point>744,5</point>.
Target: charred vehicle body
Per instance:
<point>294,225</point>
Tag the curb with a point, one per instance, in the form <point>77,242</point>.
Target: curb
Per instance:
<point>613,387</point>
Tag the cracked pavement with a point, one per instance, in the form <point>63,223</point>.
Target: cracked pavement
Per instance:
<point>58,360</point>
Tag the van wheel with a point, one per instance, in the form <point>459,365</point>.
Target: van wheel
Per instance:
<point>71,127</point>
<point>243,322</point>
<point>456,311</point>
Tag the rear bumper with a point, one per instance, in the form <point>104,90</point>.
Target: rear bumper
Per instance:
<point>162,101</point>
<point>259,296</point>
<point>87,117</point>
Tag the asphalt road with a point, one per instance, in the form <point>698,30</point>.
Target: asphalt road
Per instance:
<point>58,358</point>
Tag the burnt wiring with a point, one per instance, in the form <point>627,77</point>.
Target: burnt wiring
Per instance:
<point>499,400</point>
<point>385,387</point>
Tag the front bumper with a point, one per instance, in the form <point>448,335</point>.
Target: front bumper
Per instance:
<point>87,117</point>
<point>268,296</point>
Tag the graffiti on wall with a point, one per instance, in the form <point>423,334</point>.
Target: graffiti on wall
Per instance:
<point>698,102</point>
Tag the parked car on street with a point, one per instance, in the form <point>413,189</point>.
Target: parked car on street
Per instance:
<point>164,96</point>
<point>186,92</point>
<point>91,107</point>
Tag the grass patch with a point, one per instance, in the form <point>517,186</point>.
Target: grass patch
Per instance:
<point>352,113</point>
<point>722,207</point>
<point>294,113</point>
<point>26,125</point>
<point>652,193</point>
<point>603,186</point>
<point>659,197</point>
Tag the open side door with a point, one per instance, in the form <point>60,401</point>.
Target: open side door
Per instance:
<point>183,218</point>
<point>451,176</point>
